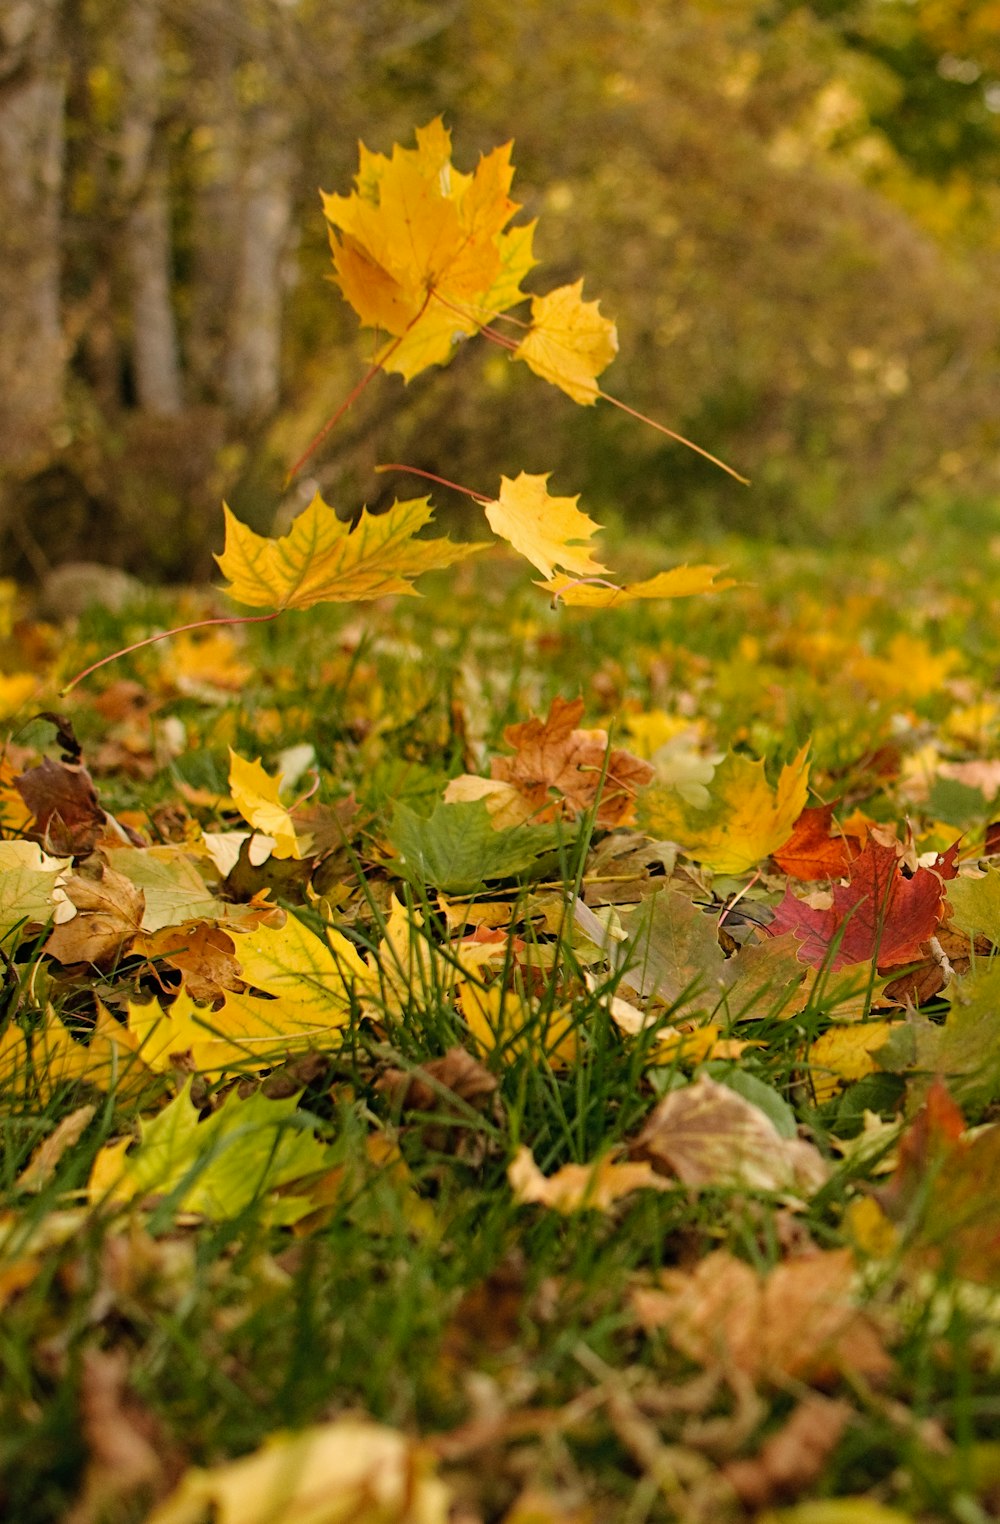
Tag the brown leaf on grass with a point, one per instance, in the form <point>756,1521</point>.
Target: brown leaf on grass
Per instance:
<point>561,770</point>
<point>799,1322</point>
<point>707,1135</point>
<point>793,1458</point>
<point>579,1187</point>
<point>63,801</point>
<point>128,1460</point>
<point>110,910</point>
<point>447,1087</point>
<point>203,953</point>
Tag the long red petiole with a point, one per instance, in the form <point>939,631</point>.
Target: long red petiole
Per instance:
<point>353,395</point>
<point>442,481</point>
<point>197,624</point>
<point>501,339</point>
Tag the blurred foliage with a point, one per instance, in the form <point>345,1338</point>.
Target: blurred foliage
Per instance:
<point>791,211</point>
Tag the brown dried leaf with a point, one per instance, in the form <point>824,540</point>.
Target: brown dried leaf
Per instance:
<point>800,1321</point>
<point>203,953</point>
<point>110,918</point>
<point>792,1459</point>
<point>123,1437</point>
<point>42,1165</point>
<point>559,769</point>
<point>67,816</point>
<point>706,1134</point>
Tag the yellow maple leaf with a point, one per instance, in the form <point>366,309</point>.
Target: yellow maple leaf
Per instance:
<point>324,560</point>
<point>420,249</point>
<point>255,795</point>
<point>580,1187</point>
<point>569,343</point>
<point>844,1054</point>
<point>246,1032</point>
<point>744,821</point>
<point>503,1020</point>
<point>679,582</point>
<point>547,531</point>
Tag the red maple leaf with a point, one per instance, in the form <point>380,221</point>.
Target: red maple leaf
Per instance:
<point>878,914</point>
<point>812,852</point>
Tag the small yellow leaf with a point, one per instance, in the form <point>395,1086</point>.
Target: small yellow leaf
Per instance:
<point>548,531</point>
<point>502,1020</point>
<point>580,1187</point>
<point>324,560</point>
<point>679,582</point>
<point>569,343</point>
<point>256,796</point>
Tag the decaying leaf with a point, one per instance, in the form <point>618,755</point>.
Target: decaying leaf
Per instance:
<point>745,820</point>
<point>879,914</point>
<point>559,769</point>
<point>708,1135</point>
<point>801,1320</point>
<point>109,917</point>
<point>791,1460</point>
<point>256,796</point>
<point>67,816</point>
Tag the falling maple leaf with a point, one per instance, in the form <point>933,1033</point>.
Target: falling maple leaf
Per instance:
<point>878,914</point>
<point>679,582</point>
<point>547,531</point>
<point>322,559</point>
<point>421,250</point>
<point>559,769</point>
<point>745,820</point>
<point>569,343</point>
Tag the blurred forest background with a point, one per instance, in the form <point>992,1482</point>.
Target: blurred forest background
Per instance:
<point>791,210</point>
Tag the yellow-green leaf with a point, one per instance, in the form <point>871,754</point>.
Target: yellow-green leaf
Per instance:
<point>324,560</point>
<point>744,821</point>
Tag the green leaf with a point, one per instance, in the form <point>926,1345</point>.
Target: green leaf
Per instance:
<point>458,849</point>
<point>975,905</point>
<point>221,1166</point>
<point>965,1052</point>
<point>672,950</point>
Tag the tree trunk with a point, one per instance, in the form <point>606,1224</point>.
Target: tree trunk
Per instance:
<point>148,243</point>
<point>253,354</point>
<point>32,353</point>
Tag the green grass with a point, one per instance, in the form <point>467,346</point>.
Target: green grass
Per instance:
<point>419,1292</point>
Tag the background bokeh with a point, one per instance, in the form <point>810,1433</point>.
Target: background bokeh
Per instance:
<point>792,211</point>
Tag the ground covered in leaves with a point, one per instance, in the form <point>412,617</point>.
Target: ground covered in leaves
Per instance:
<point>463,1060</point>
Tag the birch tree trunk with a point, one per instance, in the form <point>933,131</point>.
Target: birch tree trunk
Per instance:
<point>148,244</point>
<point>32,353</point>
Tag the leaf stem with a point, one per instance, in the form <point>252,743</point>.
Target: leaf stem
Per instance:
<point>442,481</point>
<point>197,624</point>
<point>661,428</point>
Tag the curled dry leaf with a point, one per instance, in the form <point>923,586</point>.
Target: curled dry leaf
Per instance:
<point>63,801</point>
<point>707,1135</point>
<point>449,1087</point>
<point>580,1187</point>
<point>801,1321</point>
<point>559,769</point>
